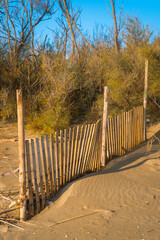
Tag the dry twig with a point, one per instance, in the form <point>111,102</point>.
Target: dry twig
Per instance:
<point>11,224</point>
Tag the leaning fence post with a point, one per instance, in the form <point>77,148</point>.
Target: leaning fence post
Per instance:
<point>145,100</point>
<point>21,154</point>
<point>104,126</point>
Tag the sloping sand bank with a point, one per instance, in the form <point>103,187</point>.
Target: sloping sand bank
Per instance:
<point>120,202</point>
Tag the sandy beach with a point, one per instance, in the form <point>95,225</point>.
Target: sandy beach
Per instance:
<point>121,202</point>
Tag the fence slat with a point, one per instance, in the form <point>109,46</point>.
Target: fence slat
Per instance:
<point>116,137</point>
<point>35,176</point>
<point>107,142</point>
<point>61,157</point>
<point>53,173</point>
<point>72,153</point>
<point>31,207</point>
<point>65,157</point>
<point>138,125</point>
<point>79,150</point>
<point>111,137</point>
<point>57,160</point>
<point>75,152</point>
<point>40,173</point>
<point>133,130</point>
<point>128,132</point>
<point>124,132</point>
<point>99,142</point>
<point>45,167</point>
<point>142,120</point>
<point>93,148</point>
<point>99,132</point>
<point>69,153</point>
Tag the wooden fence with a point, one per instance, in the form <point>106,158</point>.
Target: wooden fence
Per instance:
<point>124,132</point>
<point>52,161</point>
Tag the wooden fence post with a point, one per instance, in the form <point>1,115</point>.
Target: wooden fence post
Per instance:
<point>145,100</point>
<point>21,154</point>
<point>104,127</point>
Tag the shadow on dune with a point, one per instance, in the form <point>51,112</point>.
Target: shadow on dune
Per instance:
<point>122,163</point>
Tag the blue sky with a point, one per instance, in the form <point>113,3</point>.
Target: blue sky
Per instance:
<point>95,12</point>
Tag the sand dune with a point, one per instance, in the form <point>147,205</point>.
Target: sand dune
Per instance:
<point>121,202</point>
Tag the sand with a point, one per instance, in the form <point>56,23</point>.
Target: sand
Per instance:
<point>121,202</point>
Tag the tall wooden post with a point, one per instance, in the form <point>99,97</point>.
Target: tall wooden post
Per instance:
<point>21,154</point>
<point>145,100</point>
<point>104,127</point>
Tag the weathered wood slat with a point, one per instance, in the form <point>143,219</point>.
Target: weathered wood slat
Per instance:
<point>65,157</point>
<point>69,153</point>
<point>93,152</point>
<point>99,144</point>
<point>45,167</point>
<point>99,132</point>
<point>124,132</point>
<point>41,183</point>
<point>130,146</point>
<point>50,173</point>
<point>72,152</point>
<point>35,182</point>
<point>79,150</point>
<point>75,152</point>
<point>139,125</point>
<point>142,120</point>
<point>30,193</point>
<point>133,128</point>
<point>107,143</point>
<point>129,130</point>
<point>116,137</point>
<point>104,125</point>
<point>111,137</point>
<point>57,160</point>
<point>61,157</point>
<point>54,171</point>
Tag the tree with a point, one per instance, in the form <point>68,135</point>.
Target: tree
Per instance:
<point>72,17</point>
<point>117,24</point>
<point>19,21</point>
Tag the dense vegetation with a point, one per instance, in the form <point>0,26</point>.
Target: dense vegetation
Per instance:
<point>63,80</point>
